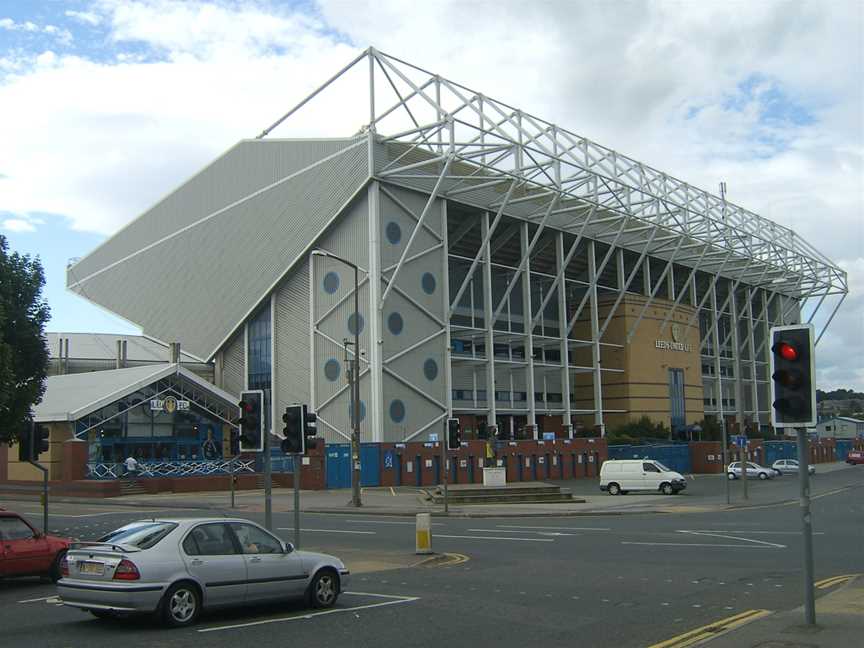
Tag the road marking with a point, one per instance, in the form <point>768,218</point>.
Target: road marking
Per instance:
<point>726,536</point>
<point>746,532</point>
<point>387,522</point>
<point>697,635</point>
<point>329,531</point>
<point>309,615</point>
<point>834,580</point>
<point>546,533</point>
<point>136,513</point>
<point>438,535</point>
<point>695,544</point>
<point>41,598</point>
<point>554,528</point>
<point>449,560</point>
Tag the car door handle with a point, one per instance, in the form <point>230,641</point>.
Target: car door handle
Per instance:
<point>256,559</point>
<point>197,562</point>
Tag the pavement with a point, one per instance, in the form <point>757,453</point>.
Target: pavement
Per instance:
<point>705,493</point>
<point>839,624</point>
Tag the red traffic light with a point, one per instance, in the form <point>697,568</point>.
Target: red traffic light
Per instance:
<point>786,351</point>
<point>246,407</point>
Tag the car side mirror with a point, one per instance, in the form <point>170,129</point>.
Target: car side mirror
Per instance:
<point>287,547</point>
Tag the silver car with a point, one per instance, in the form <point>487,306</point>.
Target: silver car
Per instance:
<point>177,567</point>
<point>789,467</point>
<point>753,470</point>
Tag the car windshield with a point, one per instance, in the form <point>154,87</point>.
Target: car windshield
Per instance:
<point>662,467</point>
<point>141,535</point>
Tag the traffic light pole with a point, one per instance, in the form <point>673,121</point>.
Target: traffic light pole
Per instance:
<point>806,526</point>
<point>44,495</point>
<point>268,491</point>
<point>444,455</point>
<point>296,467</point>
<point>231,478</point>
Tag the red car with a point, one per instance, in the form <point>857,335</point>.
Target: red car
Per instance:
<point>25,551</point>
<point>855,457</point>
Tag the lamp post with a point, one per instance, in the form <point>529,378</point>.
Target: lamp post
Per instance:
<point>354,381</point>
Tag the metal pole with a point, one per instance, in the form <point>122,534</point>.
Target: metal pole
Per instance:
<point>231,478</point>
<point>806,526</point>
<point>297,463</point>
<point>745,460</point>
<point>268,493</point>
<point>444,464</point>
<point>44,490</point>
<point>355,436</point>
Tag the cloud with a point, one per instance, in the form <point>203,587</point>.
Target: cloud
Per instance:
<point>86,17</point>
<point>18,225</point>
<point>704,91</point>
<point>62,35</point>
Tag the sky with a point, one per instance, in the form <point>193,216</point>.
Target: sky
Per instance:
<point>105,106</point>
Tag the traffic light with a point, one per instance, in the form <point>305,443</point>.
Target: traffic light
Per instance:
<point>251,421</point>
<point>310,429</point>
<point>293,430</point>
<point>33,442</point>
<point>25,444</point>
<point>298,430</point>
<point>454,434</point>
<point>41,444</point>
<point>793,388</point>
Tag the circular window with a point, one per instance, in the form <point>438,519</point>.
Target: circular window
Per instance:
<point>395,323</point>
<point>427,282</point>
<point>355,324</point>
<point>394,232</point>
<point>331,283</point>
<point>351,411</point>
<point>397,411</point>
<point>430,369</point>
<point>332,369</point>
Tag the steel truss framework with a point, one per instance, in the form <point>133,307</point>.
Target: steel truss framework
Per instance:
<point>450,142</point>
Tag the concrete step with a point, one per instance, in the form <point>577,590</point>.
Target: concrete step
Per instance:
<point>474,489</point>
<point>506,499</point>
<point>260,483</point>
<point>522,494</point>
<point>131,487</point>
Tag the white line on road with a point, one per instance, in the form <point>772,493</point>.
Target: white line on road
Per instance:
<point>547,533</point>
<point>551,528</point>
<point>387,522</point>
<point>301,617</point>
<point>438,535</point>
<point>696,544</point>
<point>41,598</point>
<point>748,532</point>
<point>329,531</point>
<point>726,536</point>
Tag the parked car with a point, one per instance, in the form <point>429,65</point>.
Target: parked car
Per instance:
<point>790,467</point>
<point>26,551</point>
<point>620,476</point>
<point>177,567</point>
<point>855,457</point>
<point>754,470</point>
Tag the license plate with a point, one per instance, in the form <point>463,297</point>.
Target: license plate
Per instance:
<point>91,568</point>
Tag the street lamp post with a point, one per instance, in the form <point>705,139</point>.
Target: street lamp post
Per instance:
<point>354,382</point>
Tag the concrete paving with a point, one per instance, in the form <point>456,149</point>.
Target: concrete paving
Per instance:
<point>839,624</point>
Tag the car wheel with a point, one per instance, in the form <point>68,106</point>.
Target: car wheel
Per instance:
<point>181,605</point>
<point>763,476</point>
<point>614,489</point>
<point>324,589</point>
<point>731,476</point>
<point>667,489</point>
<point>54,573</point>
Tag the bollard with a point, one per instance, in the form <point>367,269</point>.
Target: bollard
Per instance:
<point>424,533</point>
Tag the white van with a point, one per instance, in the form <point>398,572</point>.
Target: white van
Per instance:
<point>619,476</point>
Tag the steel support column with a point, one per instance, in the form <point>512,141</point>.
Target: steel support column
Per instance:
<point>491,417</point>
<point>375,316</point>
<point>527,313</point>
<point>594,307</point>
<point>561,263</point>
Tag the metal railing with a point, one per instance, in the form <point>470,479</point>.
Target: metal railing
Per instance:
<point>178,468</point>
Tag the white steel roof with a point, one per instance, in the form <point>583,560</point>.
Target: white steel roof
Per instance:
<point>70,397</point>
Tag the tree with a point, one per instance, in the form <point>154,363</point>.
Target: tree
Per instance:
<point>23,354</point>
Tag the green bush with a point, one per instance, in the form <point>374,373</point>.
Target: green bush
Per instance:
<point>636,432</point>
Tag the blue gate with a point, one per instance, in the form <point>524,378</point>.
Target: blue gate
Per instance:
<point>676,456</point>
<point>843,446</point>
<point>339,465</point>
<point>775,450</point>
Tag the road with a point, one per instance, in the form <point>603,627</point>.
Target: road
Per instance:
<point>628,580</point>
